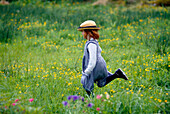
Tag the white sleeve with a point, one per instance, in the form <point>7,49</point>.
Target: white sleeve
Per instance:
<point>92,58</point>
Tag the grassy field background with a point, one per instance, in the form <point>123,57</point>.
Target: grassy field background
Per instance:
<point>41,57</point>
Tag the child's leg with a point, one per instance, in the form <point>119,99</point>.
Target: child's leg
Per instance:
<point>88,84</point>
<point>88,93</point>
<point>118,74</point>
<point>106,80</point>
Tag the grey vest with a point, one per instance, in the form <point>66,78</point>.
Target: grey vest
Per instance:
<point>99,72</point>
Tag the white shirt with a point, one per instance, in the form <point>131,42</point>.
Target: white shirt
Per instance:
<point>93,57</point>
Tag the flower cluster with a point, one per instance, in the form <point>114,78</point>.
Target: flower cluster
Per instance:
<point>75,98</point>
<point>17,101</point>
<point>74,101</point>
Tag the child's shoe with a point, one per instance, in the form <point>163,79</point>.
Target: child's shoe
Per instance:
<point>121,74</point>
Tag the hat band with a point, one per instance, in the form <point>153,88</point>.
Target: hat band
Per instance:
<point>88,27</point>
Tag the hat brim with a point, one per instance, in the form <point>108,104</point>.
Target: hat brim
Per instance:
<point>91,27</point>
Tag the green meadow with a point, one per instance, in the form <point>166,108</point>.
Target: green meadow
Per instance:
<point>41,58</point>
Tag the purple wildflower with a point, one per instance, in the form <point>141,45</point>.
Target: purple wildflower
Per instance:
<point>75,97</point>
<point>90,105</point>
<point>70,97</point>
<point>65,103</point>
<point>82,99</point>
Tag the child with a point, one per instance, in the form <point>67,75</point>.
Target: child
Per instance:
<point>94,66</point>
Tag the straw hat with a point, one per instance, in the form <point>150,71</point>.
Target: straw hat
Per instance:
<point>89,24</point>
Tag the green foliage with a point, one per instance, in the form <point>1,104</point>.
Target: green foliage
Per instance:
<point>41,55</point>
<point>46,1</point>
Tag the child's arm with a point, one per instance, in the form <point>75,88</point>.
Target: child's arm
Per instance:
<point>92,58</point>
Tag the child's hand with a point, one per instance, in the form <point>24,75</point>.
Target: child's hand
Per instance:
<point>84,74</point>
<point>84,78</point>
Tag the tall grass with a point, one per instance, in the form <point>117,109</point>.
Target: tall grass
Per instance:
<point>41,55</point>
